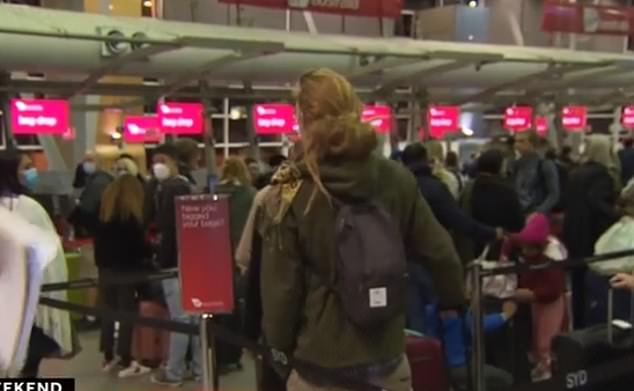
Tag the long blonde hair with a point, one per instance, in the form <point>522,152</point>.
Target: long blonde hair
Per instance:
<point>122,200</point>
<point>330,120</point>
<point>235,170</point>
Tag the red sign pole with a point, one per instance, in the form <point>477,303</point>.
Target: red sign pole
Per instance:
<point>205,265</point>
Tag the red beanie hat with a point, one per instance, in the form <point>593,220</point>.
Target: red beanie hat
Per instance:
<point>536,231</point>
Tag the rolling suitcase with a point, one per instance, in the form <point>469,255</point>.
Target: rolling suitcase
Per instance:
<point>151,346</point>
<point>426,362</point>
<point>596,345</point>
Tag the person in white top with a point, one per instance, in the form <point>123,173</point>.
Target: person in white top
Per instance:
<point>52,334</point>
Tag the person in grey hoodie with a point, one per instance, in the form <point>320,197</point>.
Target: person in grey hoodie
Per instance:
<point>536,179</point>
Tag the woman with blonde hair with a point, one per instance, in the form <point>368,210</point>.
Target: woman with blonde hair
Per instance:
<point>120,249</point>
<point>440,171</point>
<point>303,316</point>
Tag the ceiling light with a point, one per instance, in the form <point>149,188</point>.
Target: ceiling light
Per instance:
<point>472,3</point>
<point>235,113</point>
<point>148,3</point>
<point>116,135</point>
<point>467,131</point>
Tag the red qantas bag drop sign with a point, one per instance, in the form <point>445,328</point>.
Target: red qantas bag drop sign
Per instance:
<point>204,254</point>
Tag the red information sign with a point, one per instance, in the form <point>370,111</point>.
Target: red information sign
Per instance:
<point>141,129</point>
<point>379,116</point>
<point>627,117</point>
<point>518,118</point>
<point>39,116</point>
<point>180,118</point>
<point>541,125</point>
<point>205,256</point>
<point>374,8</point>
<point>574,118</point>
<point>274,118</point>
<point>442,120</point>
<point>587,19</point>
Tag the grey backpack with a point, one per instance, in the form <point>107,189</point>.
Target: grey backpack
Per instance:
<point>371,267</point>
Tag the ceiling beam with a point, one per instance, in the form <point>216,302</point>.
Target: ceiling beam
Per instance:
<point>113,66</point>
<point>420,76</point>
<point>489,93</point>
<point>379,66</point>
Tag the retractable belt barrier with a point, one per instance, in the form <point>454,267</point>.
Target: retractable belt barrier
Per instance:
<point>581,379</point>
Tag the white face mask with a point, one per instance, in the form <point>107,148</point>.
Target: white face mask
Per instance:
<point>90,167</point>
<point>161,171</point>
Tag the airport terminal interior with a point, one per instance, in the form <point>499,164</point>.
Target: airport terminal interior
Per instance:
<point>308,195</point>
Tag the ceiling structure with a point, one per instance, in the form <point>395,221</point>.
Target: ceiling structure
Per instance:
<point>75,52</point>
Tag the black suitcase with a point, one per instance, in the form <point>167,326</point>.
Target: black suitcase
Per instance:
<point>583,349</point>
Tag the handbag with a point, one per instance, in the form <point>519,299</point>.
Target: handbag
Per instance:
<point>501,286</point>
<point>618,238</point>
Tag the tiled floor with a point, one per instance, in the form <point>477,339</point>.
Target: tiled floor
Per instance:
<point>85,368</point>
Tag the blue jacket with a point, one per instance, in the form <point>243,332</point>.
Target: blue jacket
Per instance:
<point>446,208</point>
<point>455,332</point>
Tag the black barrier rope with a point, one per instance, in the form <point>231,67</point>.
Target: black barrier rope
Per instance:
<point>567,263</point>
<point>272,356</point>
<point>129,279</point>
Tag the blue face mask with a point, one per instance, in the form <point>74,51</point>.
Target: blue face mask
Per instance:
<point>31,178</point>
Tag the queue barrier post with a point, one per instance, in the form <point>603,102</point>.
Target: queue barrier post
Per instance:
<point>478,330</point>
<point>207,352</point>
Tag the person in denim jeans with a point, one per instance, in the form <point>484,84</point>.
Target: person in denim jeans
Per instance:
<point>170,186</point>
<point>176,370</point>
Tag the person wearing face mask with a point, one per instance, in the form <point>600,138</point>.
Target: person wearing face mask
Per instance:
<point>28,174</point>
<point>169,185</point>
<point>52,334</point>
<point>84,169</point>
<point>86,215</point>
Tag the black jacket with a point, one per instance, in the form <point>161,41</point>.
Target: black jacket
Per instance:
<point>590,208</point>
<point>165,199</point>
<point>121,245</point>
<point>493,202</point>
<point>446,209</point>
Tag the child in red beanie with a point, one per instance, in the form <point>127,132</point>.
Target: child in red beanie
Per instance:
<point>544,289</point>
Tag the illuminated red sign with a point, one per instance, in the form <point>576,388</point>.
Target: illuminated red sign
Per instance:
<point>274,118</point>
<point>373,8</point>
<point>141,129</point>
<point>442,120</point>
<point>627,117</point>
<point>379,116</point>
<point>518,118</point>
<point>39,116</point>
<point>180,118</point>
<point>574,118</point>
<point>580,18</point>
<point>541,125</point>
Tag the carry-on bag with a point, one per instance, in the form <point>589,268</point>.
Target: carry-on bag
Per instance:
<point>151,346</point>
<point>426,362</point>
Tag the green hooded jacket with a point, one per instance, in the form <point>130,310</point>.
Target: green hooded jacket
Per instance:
<point>303,317</point>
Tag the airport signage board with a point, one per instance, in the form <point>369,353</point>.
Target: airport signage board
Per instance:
<point>518,118</point>
<point>274,118</point>
<point>442,120</point>
<point>379,116</point>
<point>627,117</point>
<point>141,129</point>
<point>574,118</point>
<point>40,116</point>
<point>180,118</point>
<point>580,18</point>
<point>370,8</point>
<point>205,260</point>
<point>541,125</point>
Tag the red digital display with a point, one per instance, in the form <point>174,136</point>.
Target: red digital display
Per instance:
<point>541,125</point>
<point>181,118</point>
<point>274,118</point>
<point>627,117</point>
<point>518,118</point>
<point>574,118</point>
<point>442,120</point>
<point>379,116</point>
<point>141,129</point>
<point>39,116</point>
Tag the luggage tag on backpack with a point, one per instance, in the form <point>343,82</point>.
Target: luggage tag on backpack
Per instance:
<point>621,324</point>
<point>378,297</point>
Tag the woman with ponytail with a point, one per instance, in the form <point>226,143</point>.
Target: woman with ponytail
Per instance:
<point>302,316</point>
